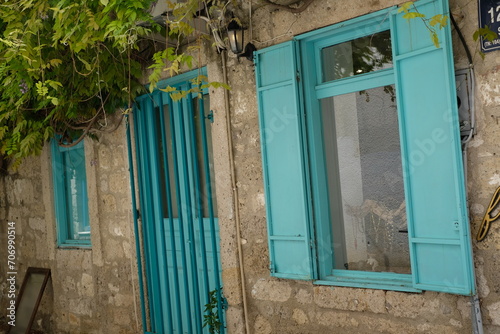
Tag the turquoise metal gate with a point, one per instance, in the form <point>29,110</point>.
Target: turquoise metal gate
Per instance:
<point>178,256</point>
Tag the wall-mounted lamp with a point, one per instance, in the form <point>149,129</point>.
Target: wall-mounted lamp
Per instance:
<point>235,36</point>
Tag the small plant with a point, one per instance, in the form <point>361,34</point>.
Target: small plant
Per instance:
<point>211,319</point>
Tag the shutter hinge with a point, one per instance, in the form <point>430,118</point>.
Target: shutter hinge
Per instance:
<point>297,76</point>
<point>272,269</point>
<point>210,116</point>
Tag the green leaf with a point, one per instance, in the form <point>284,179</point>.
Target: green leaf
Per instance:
<point>405,7</point>
<point>104,2</point>
<point>53,84</point>
<point>435,39</point>
<point>412,15</point>
<point>41,89</point>
<point>54,100</point>
<point>168,89</point>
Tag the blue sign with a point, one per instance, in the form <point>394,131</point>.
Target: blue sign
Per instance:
<point>489,15</point>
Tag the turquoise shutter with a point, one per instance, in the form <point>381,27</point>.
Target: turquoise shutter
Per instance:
<point>284,169</point>
<point>436,201</point>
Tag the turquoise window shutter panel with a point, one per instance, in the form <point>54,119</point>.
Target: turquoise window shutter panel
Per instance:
<point>436,200</point>
<point>284,168</point>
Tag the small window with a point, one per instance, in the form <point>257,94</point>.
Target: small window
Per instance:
<point>70,195</point>
<point>358,56</point>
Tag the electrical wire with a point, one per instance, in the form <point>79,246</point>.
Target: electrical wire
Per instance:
<point>475,305</point>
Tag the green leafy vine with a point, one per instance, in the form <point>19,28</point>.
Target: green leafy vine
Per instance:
<point>439,21</point>
<point>67,65</point>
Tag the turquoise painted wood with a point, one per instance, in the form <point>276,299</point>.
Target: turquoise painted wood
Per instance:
<point>439,235</point>
<point>70,186</point>
<point>180,239</point>
<point>434,183</point>
<point>284,168</point>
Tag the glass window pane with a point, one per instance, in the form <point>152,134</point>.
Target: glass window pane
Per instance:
<point>76,194</point>
<point>367,201</point>
<point>358,56</point>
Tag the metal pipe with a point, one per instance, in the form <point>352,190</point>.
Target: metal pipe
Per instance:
<point>235,193</point>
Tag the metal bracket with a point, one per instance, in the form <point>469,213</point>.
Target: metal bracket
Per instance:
<point>210,116</point>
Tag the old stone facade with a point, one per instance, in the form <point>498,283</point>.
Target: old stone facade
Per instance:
<point>96,290</point>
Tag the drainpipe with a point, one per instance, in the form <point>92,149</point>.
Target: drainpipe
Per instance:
<point>235,192</point>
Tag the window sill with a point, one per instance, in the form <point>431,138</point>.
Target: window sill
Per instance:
<point>74,246</point>
<point>370,280</point>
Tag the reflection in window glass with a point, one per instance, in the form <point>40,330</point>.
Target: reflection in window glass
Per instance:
<point>70,195</point>
<point>76,189</point>
<point>358,56</point>
<point>367,201</point>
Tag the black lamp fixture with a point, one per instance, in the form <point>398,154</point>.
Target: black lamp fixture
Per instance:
<point>235,36</point>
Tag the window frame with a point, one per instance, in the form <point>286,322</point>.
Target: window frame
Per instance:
<point>63,220</point>
<point>438,227</point>
<point>315,89</point>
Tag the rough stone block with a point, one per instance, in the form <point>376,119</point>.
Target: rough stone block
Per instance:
<point>494,313</point>
<point>336,319</point>
<point>304,297</point>
<point>349,299</point>
<point>119,183</point>
<point>262,325</point>
<point>272,290</point>
<point>300,316</point>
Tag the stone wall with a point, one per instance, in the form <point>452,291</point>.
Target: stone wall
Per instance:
<point>287,306</point>
<point>95,291</point>
<point>90,290</point>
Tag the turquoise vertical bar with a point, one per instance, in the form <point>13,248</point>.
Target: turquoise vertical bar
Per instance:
<point>136,225</point>
<point>176,108</point>
<point>142,195</point>
<point>166,167</point>
<point>187,108</point>
<point>214,235</point>
<point>204,296</point>
<point>158,221</point>
<point>147,222</point>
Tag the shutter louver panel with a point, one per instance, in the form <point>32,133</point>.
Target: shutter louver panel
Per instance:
<point>436,201</point>
<point>281,126</point>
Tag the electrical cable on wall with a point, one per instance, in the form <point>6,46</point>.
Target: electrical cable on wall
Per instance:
<point>477,322</point>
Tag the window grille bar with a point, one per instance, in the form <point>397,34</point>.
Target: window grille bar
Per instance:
<point>184,138</point>
<point>166,168</point>
<point>176,106</point>
<point>213,238</point>
<point>204,297</point>
<point>148,244</point>
<point>157,223</point>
